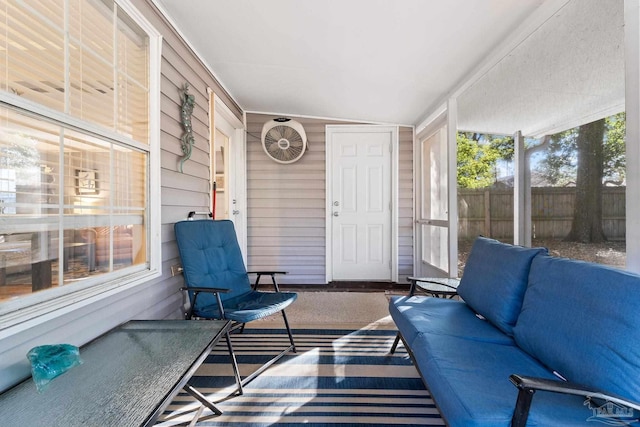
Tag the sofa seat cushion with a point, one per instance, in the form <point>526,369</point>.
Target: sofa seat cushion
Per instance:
<point>417,314</point>
<point>469,381</point>
<point>581,320</point>
<point>495,279</point>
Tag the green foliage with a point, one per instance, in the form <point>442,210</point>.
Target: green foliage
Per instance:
<point>615,165</point>
<point>503,145</point>
<point>559,166</point>
<point>478,156</point>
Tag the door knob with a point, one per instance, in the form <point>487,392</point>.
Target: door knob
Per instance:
<point>235,212</point>
<point>336,214</point>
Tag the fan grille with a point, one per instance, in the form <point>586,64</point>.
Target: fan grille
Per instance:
<point>284,143</point>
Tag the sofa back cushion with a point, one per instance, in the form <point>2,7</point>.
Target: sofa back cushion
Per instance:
<point>495,279</point>
<point>581,320</point>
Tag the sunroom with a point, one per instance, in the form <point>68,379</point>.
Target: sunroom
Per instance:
<point>96,169</point>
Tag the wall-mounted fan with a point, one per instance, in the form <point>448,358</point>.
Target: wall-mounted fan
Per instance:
<point>284,140</point>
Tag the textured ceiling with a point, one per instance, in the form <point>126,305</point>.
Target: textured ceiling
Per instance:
<point>388,61</point>
<point>569,72</point>
<point>394,61</point>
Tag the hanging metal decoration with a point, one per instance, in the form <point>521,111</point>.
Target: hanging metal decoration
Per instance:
<point>186,109</point>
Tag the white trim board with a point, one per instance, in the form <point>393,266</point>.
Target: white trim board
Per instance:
<point>354,121</point>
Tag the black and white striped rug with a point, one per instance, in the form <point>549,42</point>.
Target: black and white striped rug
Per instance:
<point>337,377</point>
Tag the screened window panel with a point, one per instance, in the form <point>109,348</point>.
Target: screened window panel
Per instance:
<point>437,240</point>
<point>434,179</point>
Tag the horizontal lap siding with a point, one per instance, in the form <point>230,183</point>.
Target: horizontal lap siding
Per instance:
<point>405,204</point>
<point>181,192</point>
<point>286,205</point>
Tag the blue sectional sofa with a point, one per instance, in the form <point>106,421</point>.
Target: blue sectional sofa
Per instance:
<point>536,340</point>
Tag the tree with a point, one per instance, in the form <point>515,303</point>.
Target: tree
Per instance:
<point>587,214</point>
<point>477,157</point>
<point>615,165</point>
<point>559,166</point>
<point>588,156</point>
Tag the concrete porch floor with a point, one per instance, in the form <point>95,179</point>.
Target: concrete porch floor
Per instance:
<point>334,310</point>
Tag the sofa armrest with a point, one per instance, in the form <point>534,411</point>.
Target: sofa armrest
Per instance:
<point>527,386</point>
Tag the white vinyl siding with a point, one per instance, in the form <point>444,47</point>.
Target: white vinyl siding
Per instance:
<point>405,201</point>
<point>286,205</point>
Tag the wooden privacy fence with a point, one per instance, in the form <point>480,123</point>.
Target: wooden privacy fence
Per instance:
<point>490,212</point>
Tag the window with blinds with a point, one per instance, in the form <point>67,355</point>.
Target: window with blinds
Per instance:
<point>74,145</point>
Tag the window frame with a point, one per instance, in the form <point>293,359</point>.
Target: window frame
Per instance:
<point>65,299</point>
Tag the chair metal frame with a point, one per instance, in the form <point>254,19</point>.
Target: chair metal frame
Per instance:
<point>216,291</point>
<point>241,382</point>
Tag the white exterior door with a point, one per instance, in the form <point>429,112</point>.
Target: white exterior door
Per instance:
<point>361,205</point>
<point>436,199</point>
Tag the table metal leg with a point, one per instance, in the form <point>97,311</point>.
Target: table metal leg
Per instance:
<point>234,364</point>
<point>201,397</point>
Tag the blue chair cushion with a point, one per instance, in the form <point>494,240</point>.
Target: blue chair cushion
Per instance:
<point>470,382</point>
<point>248,307</point>
<point>211,257</point>
<point>420,314</point>
<point>495,279</point>
<point>581,320</point>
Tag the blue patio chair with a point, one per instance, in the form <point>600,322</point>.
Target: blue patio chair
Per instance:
<point>218,284</point>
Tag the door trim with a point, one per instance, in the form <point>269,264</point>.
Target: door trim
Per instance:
<point>237,155</point>
<point>329,131</point>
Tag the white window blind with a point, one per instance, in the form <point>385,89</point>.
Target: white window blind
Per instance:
<point>75,156</point>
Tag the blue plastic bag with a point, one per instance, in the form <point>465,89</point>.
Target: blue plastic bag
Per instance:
<point>50,361</point>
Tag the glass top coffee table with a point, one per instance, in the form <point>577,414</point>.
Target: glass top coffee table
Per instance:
<point>439,287</point>
<point>127,377</point>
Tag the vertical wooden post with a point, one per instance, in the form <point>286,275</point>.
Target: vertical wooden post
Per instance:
<point>519,190</point>
<point>452,184</point>
<point>632,108</point>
